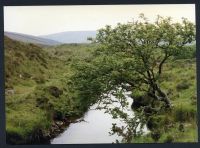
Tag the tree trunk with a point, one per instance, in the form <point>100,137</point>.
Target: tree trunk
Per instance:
<point>164,97</point>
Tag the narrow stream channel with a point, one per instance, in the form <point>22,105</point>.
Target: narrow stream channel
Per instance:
<point>95,128</point>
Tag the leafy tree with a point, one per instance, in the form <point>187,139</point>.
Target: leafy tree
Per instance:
<point>131,57</point>
<point>145,48</point>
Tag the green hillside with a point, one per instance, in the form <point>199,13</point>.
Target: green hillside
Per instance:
<point>41,102</point>
<point>37,94</point>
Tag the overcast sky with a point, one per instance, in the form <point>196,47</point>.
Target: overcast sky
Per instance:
<point>42,20</point>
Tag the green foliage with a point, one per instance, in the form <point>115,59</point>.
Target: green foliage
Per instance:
<point>187,53</point>
<point>161,122</point>
<point>61,82</point>
<point>132,54</point>
<point>132,57</point>
<point>179,123</point>
<point>40,93</point>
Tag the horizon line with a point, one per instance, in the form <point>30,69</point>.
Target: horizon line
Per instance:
<point>46,34</point>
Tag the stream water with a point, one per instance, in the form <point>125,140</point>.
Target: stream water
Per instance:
<point>94,129</point>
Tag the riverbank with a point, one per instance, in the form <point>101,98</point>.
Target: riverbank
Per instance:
<point>95,127</point>
<point>178,124</point>
<point>38,97</point>
<point>40,102</point>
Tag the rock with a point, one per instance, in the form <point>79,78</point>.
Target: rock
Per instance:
<point>59,123</point>
<point>57,130</point>
<point>9,91</point>
<point>20,75</point>
<point>47,135</point>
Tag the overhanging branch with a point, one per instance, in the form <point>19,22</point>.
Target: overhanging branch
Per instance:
<point>162,62</point>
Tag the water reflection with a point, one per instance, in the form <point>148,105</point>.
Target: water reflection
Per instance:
<point>95,128</point>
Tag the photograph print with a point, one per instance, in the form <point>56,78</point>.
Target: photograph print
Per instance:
<point>95,74</point>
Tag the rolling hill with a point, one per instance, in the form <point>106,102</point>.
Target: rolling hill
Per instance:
<point>30,39</point>
<point>36,90</point>
<point>71,36</point>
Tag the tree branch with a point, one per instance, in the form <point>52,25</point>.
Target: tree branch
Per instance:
<point>162,62</point>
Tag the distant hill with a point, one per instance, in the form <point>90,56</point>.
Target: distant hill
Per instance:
<point>30,39</point>
<point>71,36</point>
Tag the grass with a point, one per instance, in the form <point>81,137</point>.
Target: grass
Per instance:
<point>30,72</point>
<point>181,88</point>
<point>40,78</point>
<point>71,52</point>
<point>173,135</point>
